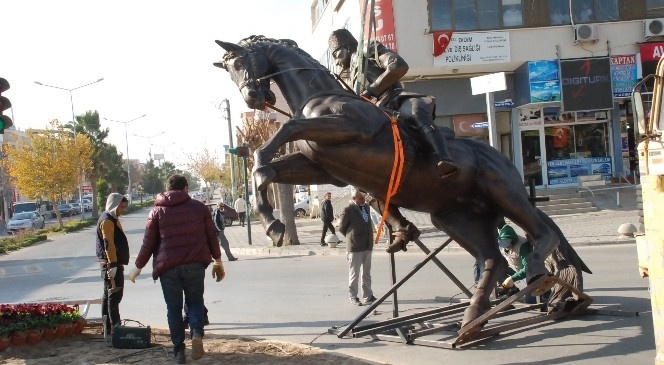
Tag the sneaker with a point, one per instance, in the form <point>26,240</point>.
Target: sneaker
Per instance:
<point>355,301</point>
<point>197,350</point>
<point>179,357</point>
<point>370,300</point>
<point>233,259</point>
<point>322,244</point>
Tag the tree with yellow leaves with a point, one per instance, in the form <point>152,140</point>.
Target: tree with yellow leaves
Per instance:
<point>49,164</point>
<point>207,167</point>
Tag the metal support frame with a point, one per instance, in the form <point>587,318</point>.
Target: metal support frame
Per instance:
<point>412,328</point>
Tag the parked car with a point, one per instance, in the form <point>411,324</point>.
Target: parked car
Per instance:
<point>77,208</point>
<point>302,208</point>
<point>230,214</point>
<point>87,205</point>
<point>25,221</point>
<point>65,210</point>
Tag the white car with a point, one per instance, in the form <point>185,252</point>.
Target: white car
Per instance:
<point>87,205</point>
<point>302,208</point>
<point>25,221</point>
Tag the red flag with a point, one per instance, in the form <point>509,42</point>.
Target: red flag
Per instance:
<point>440,42</point>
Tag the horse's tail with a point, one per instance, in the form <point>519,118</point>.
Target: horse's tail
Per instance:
<point>565,248</point>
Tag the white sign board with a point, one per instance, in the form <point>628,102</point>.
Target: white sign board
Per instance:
<point>475,49</point>
<point>488,83</point>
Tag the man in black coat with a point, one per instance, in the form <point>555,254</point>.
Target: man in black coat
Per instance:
<point>327,216</point>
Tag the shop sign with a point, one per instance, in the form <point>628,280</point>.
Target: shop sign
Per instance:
<point>471,48</point>
<point>586,84</point>
<point>503,104</point>
<point>543,80</point>
<point>623,75</point>
<point>384,15</point>
<point>567,171</point>
<point>530,118</point>
<point>470,125</point>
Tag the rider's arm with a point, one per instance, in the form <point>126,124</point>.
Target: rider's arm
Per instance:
<point>394,68</point>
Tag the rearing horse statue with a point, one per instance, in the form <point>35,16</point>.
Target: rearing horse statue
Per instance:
<point>344,139</point>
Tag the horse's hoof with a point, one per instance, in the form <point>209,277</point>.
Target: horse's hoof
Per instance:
<point>263,176</point>
<point>276,232</point>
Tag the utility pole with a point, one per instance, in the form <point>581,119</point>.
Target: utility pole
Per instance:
<point>230,144</point>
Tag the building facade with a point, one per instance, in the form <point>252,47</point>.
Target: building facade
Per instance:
<point>569,66</point>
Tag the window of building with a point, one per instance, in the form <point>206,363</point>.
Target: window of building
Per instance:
<point>559,12</point>
<point>441,14</point>
<point>512,14</point>
<point>488,14</point>
<point>586,11</point>
<point>655,7</point>
<point>465,15</point>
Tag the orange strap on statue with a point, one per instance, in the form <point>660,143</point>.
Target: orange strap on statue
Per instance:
<point>395,176</point>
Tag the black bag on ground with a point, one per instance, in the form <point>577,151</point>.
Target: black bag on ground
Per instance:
<point>131,337</point>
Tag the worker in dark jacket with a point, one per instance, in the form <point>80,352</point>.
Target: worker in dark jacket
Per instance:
<point>113,254</point>
<point>181,239</point>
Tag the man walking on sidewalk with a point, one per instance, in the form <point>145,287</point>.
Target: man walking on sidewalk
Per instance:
<point>220,225</point>
<point>327,216</point>
<point>240,206</point>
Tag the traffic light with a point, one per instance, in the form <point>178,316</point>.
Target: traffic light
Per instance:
<point>241,151</point>
<point>5,121</point>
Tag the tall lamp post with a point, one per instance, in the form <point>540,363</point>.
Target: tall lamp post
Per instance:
<point>73,116</point>
<point>230,143</point>
<point>127,143</point>
<point>150,140</point>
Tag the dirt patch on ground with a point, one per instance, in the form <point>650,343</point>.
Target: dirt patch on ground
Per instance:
<point>89,348</point>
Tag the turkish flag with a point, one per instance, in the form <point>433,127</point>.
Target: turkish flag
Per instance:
<point>440,42</point>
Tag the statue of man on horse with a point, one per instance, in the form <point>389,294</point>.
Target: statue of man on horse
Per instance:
<point>375,75</point>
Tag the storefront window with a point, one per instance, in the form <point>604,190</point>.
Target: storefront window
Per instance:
<point>591,140</point>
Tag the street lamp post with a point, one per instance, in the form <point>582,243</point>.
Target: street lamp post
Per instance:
<point>73,116</point>
<point>127,143</point>
<point>150,140</point>
<point>230,143</point>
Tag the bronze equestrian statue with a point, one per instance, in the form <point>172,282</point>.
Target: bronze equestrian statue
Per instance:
<point>343,139</point>
<point>376,74</point>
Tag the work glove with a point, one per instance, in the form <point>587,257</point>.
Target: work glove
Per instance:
<point>508,283</point>
<point>218,271</point>
<point>134,273</point>
<point>112,272</point>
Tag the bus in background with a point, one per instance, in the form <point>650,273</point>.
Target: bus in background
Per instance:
<point>43,208</point>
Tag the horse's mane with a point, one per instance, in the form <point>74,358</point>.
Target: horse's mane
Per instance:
<point>254,41</point>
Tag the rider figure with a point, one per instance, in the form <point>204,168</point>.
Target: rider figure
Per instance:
<point>383,71</point>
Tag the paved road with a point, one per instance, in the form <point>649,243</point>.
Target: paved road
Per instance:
<point>297,298</point>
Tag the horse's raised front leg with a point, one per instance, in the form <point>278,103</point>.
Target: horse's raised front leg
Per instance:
<point>294,168</point>
<point>329,129</point>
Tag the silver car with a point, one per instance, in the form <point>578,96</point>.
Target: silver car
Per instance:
<point>25,221</point>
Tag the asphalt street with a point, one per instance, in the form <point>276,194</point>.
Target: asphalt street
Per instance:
<point>298,293</point>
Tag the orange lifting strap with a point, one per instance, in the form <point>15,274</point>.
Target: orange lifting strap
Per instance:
<point>395,176</point>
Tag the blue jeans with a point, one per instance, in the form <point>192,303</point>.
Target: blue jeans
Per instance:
<point>188,278</point>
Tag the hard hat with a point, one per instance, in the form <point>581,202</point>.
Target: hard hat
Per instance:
<point>506,236</point>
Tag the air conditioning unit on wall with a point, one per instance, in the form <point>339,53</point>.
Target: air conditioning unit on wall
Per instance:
<point>586,33</point>
<point>653,27</point>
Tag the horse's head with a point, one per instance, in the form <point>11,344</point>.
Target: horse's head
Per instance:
<point>248,68</point>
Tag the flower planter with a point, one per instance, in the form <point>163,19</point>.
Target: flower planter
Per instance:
<point>4,343</point>
<point>18,338</point>
<point>69,329</point>
<point>61,330</point>
<point>79,326</point>
<point>49,334</point>
<point>33,337</point>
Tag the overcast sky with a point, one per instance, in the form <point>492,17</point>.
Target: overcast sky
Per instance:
<point>155,57</point>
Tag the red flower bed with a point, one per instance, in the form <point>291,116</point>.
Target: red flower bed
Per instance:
<point>23,317</point>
